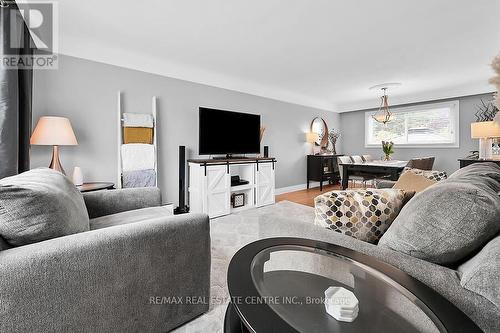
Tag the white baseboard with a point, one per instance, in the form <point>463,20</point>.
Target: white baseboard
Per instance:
<point>294,188</point>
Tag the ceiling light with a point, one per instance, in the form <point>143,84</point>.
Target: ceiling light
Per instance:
<point>384,115</point>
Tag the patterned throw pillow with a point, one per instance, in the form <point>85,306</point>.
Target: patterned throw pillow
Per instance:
<point>429,174</point>
<point>362,214</point>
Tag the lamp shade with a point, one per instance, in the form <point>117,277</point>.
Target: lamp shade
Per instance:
<point>382,117</point>
<point>496,120</point>
<point>484,129</point>
<point>312,137</point>
<point>53,131</point>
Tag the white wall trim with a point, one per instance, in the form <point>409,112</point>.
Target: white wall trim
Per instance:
<point>436,95</point>
<point>293,188</point>
<point>99,52</point>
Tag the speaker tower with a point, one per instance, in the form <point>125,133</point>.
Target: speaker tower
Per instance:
<point>182,209</point>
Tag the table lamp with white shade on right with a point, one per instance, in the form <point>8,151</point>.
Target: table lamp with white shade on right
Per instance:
<point>485,131</point>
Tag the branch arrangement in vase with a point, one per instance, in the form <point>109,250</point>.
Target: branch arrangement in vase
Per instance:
<point>333,136</point>
<point>261,134</point>
<point>496,79</point>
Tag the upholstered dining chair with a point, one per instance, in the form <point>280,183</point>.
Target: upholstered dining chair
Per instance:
<point>357,159</point>
<point>367,158</point>
<point>353,178</point>
<point>422,163</point>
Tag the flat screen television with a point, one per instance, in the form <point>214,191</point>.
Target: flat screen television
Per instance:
<point>226,132</point>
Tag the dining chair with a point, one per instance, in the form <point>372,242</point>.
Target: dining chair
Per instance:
<point>357,159</point>
<point>422,163</point>
<point>353,178</point>
<point>367,158</point>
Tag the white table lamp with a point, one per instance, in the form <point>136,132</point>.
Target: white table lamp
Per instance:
<point>312,138</point>
<point>54,131</point>
<point>496,120</point>
<point>485,131</point>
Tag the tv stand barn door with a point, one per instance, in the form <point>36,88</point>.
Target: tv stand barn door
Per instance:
<point>264,173</point>
<point>210,187</point>
<point>216,185</point>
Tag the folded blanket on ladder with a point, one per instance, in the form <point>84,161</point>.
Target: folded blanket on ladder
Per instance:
<point>139,178</point>
<point>137,120</point>
<point>137,156</point>
<point>137,135</point>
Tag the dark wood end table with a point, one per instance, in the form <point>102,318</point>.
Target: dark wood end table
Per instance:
<point>95,186</point>
<point>468,161</point>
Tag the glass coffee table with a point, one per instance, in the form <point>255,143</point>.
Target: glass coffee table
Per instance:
<point>278,285</point>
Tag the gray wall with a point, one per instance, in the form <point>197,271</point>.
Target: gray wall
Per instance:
<point>353,140</point>
<point>85,92</point>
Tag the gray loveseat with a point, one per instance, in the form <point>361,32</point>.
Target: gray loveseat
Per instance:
<point>118,277</point>
<point>471,283</point>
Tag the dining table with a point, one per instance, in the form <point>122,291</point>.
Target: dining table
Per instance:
<point>380,169</point>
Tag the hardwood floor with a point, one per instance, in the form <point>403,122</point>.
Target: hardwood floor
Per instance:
<point>306,197</point>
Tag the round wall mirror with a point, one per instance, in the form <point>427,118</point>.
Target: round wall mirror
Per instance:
<point>318,125</point>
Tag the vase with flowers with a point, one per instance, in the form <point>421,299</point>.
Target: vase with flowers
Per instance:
<point>388,149</point>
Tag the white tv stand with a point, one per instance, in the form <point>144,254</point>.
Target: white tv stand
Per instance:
<point>210,187</point>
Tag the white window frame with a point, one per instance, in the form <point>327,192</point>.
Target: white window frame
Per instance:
<point>455,119</point>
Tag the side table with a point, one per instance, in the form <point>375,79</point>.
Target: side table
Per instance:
<point>95,186</point>
<point>468,161</point>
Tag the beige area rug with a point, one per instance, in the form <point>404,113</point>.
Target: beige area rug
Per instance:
<point>228,235</point>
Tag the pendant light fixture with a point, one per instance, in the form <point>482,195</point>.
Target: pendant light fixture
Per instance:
<point>383,115</point>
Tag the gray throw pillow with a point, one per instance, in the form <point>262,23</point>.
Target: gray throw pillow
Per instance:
<point>446,222</point>
<point>40,204</point>
<point>481,273</point>
<point>486,169</point>
<point>3,244</point>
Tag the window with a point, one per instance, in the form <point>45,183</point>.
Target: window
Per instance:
<point>429,125</point>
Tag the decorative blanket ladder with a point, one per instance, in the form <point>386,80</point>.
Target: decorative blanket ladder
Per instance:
<point>154,110</point>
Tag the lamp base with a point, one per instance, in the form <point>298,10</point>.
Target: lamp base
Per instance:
<point>56,163</point>
<point>485,149</point>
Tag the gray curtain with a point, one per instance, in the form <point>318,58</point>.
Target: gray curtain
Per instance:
<point>15,96</point>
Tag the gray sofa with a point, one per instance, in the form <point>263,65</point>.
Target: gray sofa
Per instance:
<point>117,277</point>
<point>472,283</point>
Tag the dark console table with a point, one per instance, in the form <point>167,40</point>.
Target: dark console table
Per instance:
<point>322,168</point>
<point>468,161</point>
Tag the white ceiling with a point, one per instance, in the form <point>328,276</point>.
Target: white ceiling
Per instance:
<point>319,53</point>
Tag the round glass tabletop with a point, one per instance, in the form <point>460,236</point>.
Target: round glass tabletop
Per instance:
<point>279,285</point>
